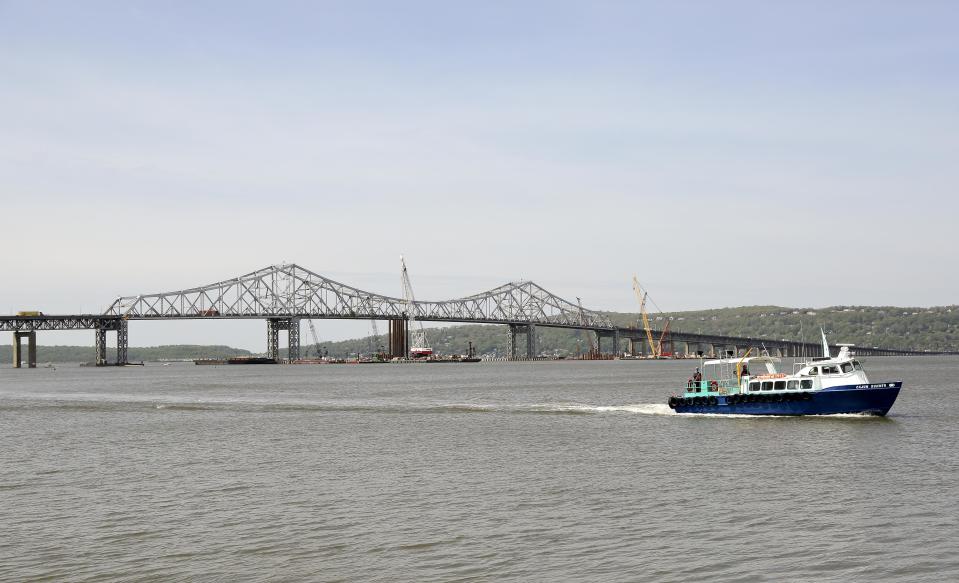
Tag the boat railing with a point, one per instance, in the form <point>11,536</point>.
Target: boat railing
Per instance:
<point>721,386</point>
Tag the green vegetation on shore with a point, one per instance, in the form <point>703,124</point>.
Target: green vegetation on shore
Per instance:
<point>888,327</point>
<point>146,354</point>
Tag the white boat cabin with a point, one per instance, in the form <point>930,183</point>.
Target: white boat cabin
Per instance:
<point>760,374</point>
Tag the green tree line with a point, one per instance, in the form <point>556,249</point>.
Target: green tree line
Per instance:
<point>134,354</point>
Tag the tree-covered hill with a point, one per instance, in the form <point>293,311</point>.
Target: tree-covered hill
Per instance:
<point>889,327</point>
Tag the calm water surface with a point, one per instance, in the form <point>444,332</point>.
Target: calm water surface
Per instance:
<point>474,472</point>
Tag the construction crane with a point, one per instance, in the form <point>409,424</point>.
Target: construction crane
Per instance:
<point>316,339</point>
<point>376,350</point>
<point>419,345</point>
<point>641,296</point>
<point>593,349</point>
<point>663,339</point>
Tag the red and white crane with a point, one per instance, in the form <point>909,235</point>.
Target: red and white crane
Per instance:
<point>419,345</point>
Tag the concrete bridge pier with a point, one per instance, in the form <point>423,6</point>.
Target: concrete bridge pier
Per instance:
<point>292,327</point>
<point>31,337</point>
<point>638,346</point>
<point>398,338</point>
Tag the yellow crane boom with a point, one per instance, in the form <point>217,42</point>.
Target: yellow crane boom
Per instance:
<point>641,297</point>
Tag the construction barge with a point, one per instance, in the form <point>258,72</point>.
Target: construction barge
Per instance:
<point>235,360</point>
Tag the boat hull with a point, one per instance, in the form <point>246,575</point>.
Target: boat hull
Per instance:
<point>870,399</point>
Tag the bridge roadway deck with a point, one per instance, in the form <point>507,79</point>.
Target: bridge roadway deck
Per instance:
<point>708,344</point>
<point>64,322</point>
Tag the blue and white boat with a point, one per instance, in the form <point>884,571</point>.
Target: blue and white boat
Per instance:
<point>754,386</point>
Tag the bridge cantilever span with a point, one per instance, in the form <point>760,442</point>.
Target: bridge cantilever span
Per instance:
<point>290,291</point>
<point>283,294</point>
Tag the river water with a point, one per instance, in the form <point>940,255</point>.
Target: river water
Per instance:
<point>553,471</point>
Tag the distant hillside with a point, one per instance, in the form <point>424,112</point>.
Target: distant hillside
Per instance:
<point>890,327</point>
<point>147,354</point>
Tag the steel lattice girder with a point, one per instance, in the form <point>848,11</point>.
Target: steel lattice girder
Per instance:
<point>35,323</point>
<point>289,291</point>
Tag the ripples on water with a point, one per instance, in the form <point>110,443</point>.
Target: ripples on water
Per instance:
<point>475,472</point>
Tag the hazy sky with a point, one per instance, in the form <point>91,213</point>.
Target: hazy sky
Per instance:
<point>729,153</point>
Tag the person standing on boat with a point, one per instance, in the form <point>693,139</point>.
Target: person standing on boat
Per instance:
<point>697,376</point>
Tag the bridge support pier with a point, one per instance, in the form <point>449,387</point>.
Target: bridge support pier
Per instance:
<point>398,339</point>
<point>123,341</point>
<point>530,331</point>
<point>31,337</point>
<point>640,346</point>
<point>292,327</point>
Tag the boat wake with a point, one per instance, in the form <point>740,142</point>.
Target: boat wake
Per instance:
<point>93,402</point>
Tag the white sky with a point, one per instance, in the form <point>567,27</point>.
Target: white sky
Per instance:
<point>746,154</point>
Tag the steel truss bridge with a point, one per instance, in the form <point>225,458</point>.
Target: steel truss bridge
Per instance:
<point>284,294</point>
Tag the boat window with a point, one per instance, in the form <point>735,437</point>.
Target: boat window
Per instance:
<point>767,385</point>
<point>793,385</point>
<point>846,367</point>
<point>780,385</point>
<point>807,383</point>
<point>753,386</point>
<point>814,371</point>
<point>831,369</point>
<point>856,365</point>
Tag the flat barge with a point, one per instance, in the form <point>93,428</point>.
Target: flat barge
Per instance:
<point>235,360</point>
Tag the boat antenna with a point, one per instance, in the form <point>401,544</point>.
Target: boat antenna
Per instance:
<point>802,341</point>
